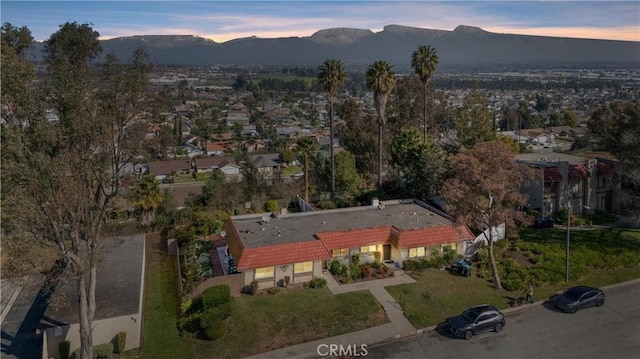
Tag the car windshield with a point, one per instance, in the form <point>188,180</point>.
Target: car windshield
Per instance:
<point>573,293</point>
<point>470,314</point>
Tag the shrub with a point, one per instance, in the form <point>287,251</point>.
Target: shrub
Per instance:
<point>334,267</point>
<point>561,216</point>
<point>215,331</point>
<point>64,348</point>
<point>345,279</point>
<point>327,204</point>
<point>190,324</point>
<point>121,342</point>
<point>186,306</point>
<point>356,272</point>
<point>355,259</point>
<point>102,351</point>
<point>316,283</point>
<point>254,287</point>
<point>273,290</point>
<point>213,315</point>
<point>216,295</point>
<point>367,271</point>
<point>271,205</point>
<point>416,264</point>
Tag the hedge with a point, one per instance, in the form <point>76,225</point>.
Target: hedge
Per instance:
<point>216,295</point>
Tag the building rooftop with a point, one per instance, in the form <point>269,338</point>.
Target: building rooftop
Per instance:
<point>549,158</point>
<point>260,230</point>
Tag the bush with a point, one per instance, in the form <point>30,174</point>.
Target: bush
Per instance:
<point>334,267</point>
<point>254,287</point>
<point>102,351</point>
<point>367,271</point>
<point>273,290</point>
<point>215,331</point>
<point>216,314</point>
<point>190,324</point>
<point>121,341</point>
<point>216,295</point>
<point>316,283</point>
<point>561,216</point>
<point>416,264</point>
<point>345,279</point>
<point>355,259</point>
<point>271,205</point>
<point>356,272</point>
<point>327,204</point>
<point>64,349</point>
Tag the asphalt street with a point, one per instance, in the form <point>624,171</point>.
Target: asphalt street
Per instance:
<point>611,331</point>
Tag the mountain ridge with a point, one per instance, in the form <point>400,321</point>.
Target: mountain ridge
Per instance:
<point>464,46</point>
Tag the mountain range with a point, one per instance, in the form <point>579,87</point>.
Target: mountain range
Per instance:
<point>465,46</point>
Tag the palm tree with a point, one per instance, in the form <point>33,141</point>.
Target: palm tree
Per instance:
<point>331,75</point>
<point>381,80</point>
<point>424,61</point>
<point>306,146</point>
<point>147,196</point>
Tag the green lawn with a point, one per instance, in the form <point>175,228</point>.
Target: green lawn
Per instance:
<point>289,170</point>
<point>437,294</point>
<point>289,318</point>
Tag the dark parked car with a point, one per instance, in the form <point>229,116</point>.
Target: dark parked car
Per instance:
<point>578,298</point>
<point>475,320</point>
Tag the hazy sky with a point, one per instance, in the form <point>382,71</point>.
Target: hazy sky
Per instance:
<point>226,20</point>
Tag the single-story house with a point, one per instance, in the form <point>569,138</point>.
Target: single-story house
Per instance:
<point>215,149</point>
<point>267,247</point>
<point>119,298</point>
<point>267,163</point>
<point>162,169</point>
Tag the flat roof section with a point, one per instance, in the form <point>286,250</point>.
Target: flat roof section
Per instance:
<point>300,227</point>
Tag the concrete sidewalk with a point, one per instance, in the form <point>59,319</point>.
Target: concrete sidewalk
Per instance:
<point>399,326</point>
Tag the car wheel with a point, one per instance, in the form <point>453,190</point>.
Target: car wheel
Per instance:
<point>468,335</point>
<point>600,303</point>
<point>498,327</point>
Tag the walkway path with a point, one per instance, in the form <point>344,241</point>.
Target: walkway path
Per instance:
<point>398,327</point>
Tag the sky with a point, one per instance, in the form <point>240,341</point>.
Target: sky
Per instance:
<point>226,20</point>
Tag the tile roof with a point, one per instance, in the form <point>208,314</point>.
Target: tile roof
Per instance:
<point>355,237</point>
<point>551,174</point>
<point>282,254</point>
<point>431,236</point>
<point>578,172</point>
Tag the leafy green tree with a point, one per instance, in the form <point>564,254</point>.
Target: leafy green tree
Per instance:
<point>307,146</point>
<point>358,136</point>
<point>422,165</point>
<point>331,76</point>
<point>484,192</point>
<point>474,122</point>
<point>347,177</point>
<point>287,156</point>
<point>147,196</point>
<point>381,80</point>
<point>65,175</point>
<point>17,74</point>
<point>424,61</point>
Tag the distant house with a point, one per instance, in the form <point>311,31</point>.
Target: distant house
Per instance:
<point>267,163</point>
<point>562,180</point>
<point>237,113</point>
<point>215,149</point>
<point>267,247</point>
<point>254,145</point>
<point>162,169</point>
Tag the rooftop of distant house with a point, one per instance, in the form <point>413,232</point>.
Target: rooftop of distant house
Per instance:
<point>549,158</point>
<point>266,229</point>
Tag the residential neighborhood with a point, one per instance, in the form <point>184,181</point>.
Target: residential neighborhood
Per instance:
<point>278,211</point>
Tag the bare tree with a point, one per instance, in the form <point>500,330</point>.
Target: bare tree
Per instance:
<point>484,192</point>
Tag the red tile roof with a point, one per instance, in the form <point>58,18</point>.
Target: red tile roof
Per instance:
<point>578,172</point>
<point>355,237</point>
<point>431,236</point>
<point>282,254</point>
<point>551,174</point>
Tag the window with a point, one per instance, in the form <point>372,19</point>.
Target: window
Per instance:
<point>303,267</point>
<point>416,252</point>
<point>369,249</point>
<point>340,252</point>
<point>266,272</point>
<point>451,246</point>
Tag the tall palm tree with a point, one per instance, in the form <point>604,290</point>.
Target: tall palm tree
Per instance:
<point>331,75</point>
<point>147,196</point>
<point>306,146</point>
<point>424,61</point>
<point>381,80</point>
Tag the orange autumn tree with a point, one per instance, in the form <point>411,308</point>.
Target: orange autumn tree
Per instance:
<point>484,192</point>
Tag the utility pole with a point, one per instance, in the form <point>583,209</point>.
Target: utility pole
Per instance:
<point>566,264</point>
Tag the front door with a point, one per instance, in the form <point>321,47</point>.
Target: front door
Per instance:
<point>386,252</point>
